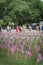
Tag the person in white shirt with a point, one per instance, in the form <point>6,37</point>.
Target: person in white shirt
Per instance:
<point>30,28</point>
<point>8,28</point>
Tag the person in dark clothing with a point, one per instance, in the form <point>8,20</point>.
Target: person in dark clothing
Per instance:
<point>42,30</point>
<point>0,28</point>
<point>20,29</point>
<point>42,27</point>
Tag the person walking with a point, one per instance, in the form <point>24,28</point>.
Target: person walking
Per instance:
<point>17,28</point>
<point>7,28</point>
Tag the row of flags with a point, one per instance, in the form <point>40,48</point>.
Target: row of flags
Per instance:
<point>20,47</point>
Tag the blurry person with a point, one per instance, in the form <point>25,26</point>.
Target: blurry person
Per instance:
<point>0,28</point>
<point>42,28</point>
<point>20,29</point>
<point>17,28</point>
<point>7,28</point>
<point>30,28</point>
<point>37,27</point>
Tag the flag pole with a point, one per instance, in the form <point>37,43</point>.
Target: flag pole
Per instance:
<point>8,43</point>
<point>17,49</point>
<point>25,54</point>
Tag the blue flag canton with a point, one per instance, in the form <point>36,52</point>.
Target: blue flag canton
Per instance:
<point>21,42</point>
<point>14,43</point>
<point>11,45</point>
<point>38,51</point>
<point>19,47</point>
<point>28,49</point>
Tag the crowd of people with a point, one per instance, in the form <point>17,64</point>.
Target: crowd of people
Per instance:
<point>19,28</point>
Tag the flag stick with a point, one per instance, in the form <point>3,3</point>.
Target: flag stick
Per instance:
<point>25,56</point>
<point>17,49</point>
<point>8,43</point>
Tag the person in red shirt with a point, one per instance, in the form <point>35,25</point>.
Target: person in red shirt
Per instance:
<point>17,28</point>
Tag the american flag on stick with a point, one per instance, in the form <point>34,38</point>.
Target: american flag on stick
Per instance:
<point>39,57</point>
<point>28,52</point>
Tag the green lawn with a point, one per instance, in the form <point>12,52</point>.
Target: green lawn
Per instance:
<point>11,60</point>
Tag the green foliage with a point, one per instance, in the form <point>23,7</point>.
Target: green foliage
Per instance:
<point>20,11</point>
<point>1,22</point>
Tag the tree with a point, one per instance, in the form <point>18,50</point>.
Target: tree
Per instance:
<point>41,10</point>
<point>21,11</point>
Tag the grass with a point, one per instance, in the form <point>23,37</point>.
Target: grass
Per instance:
<point>10,59</point>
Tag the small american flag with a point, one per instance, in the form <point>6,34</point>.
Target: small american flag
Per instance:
<point>11,48</point>
<point>37,48</point>
<point>14,46</point>
<point>21,48</point>
<point>29,46</point>
<point>39,57</point>
<point>28,52</point>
